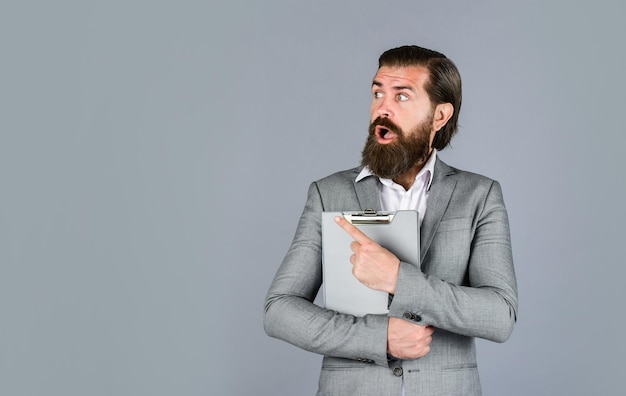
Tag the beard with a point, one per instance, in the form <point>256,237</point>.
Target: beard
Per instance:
<point>388,161</point>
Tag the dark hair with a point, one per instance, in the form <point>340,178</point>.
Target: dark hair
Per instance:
<point>442,86</point>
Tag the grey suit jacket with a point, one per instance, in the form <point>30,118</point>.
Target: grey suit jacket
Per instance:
<point>465,288</point>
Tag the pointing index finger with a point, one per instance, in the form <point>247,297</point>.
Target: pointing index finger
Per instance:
<point>354,232</point>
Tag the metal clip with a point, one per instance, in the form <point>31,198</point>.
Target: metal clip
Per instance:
<point>369,216</point>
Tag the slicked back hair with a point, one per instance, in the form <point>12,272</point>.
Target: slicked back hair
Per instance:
<point>443,84</point>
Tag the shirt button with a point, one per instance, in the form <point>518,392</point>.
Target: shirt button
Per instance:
<point>408,315</point>
<point>397,371</point>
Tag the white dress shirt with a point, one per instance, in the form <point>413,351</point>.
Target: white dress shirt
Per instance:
<point>394,197</point>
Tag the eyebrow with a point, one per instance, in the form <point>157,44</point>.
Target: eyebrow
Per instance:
<point>395,87</point>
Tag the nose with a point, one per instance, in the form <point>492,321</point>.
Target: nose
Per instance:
<point>384,109</point>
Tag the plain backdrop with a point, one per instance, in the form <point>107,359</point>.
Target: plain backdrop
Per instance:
<point>155,158</point>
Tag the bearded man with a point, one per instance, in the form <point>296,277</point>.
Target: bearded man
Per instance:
<point>465,286</point>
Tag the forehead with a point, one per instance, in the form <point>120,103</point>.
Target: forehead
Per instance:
<point>412,77</point>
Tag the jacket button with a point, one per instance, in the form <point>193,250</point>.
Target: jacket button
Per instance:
<point>397,371</point>
<point>412,316</point>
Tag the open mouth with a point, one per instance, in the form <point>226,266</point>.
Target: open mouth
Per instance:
<point>384,135</point>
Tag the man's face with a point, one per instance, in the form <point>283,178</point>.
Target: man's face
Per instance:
<point>401,130</point>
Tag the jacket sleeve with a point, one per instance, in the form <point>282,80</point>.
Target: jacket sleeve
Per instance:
<point>484,303</point>
<point>290,314</point>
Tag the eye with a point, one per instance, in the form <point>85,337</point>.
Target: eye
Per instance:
<point>402,97</point>
<point>378,95</point>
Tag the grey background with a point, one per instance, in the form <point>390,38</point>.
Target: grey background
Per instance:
<point>155,156</point>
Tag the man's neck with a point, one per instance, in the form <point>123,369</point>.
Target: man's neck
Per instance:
<point>407,178</point>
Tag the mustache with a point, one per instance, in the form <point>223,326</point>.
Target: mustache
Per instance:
<point>385,123</point>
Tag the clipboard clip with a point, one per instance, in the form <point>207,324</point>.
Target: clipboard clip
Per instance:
<point>369,216</point>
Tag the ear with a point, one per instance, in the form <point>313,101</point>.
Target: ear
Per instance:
<point>443,112</point>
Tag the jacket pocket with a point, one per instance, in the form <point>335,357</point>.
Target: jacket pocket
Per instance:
<point>338,364</point>
<point>460,366</point>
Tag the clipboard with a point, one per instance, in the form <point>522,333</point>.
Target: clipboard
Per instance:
<point>398,232</point>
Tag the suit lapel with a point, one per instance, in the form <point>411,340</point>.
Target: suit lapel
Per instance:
<point>367,192</point>
<point>439,197</point>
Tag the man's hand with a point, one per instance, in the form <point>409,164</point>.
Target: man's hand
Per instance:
<point>406,340</point>
<point>373,265</point>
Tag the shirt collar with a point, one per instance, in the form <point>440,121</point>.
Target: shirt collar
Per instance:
<point>428,169</point>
